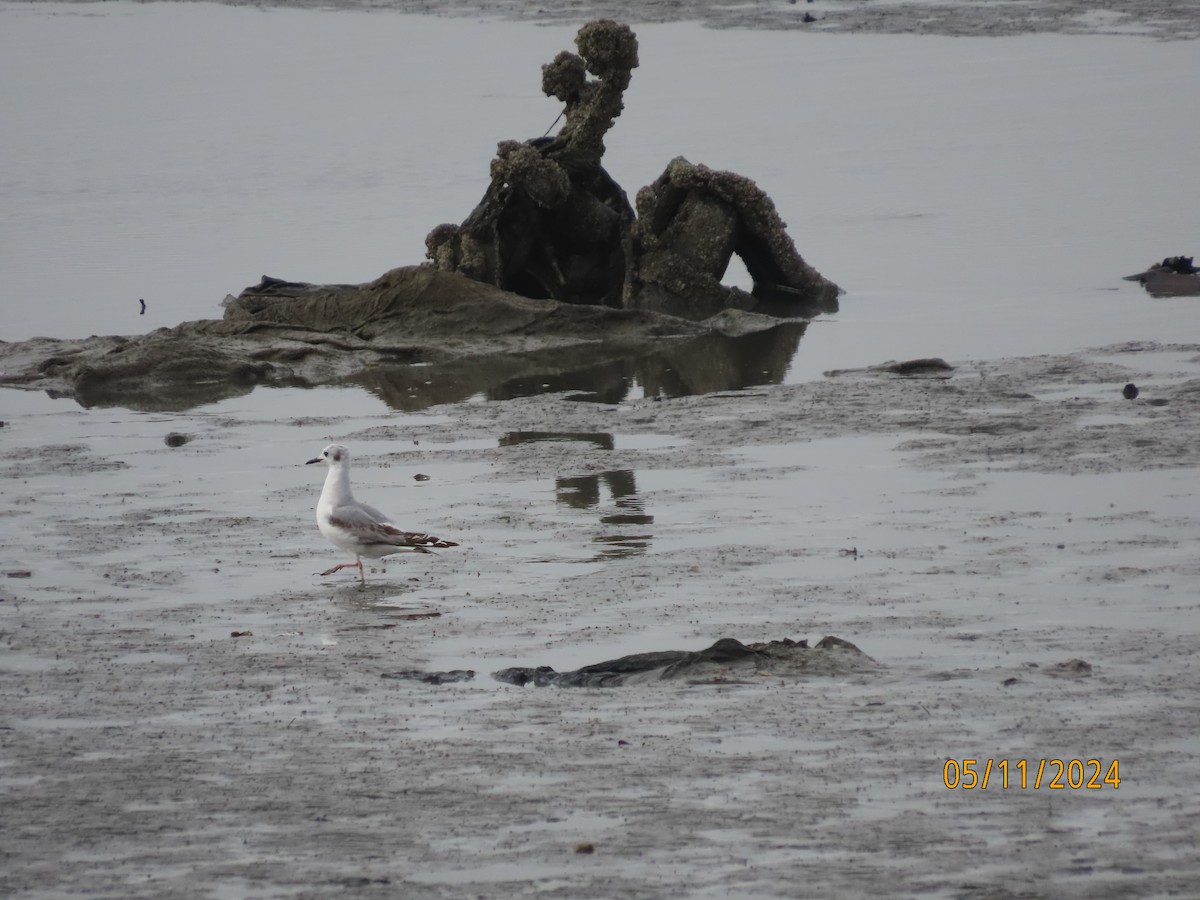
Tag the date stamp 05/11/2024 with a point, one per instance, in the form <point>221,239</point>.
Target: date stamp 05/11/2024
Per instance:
<point>1033,774</point>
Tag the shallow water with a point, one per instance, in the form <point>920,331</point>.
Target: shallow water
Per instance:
<point>975,197</point>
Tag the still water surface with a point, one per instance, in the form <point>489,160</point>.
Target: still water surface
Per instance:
<point>975,198</point>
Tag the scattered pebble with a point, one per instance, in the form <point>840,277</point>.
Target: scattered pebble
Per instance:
<point>176,439</point>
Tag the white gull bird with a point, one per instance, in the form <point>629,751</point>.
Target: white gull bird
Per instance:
<point>356,527</point>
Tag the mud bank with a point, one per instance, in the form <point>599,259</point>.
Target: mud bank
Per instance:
<point>184,707</point>
<point>1162,19</point>
<point>390,330</point>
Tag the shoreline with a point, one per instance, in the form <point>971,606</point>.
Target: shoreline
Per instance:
<point>1160,20</point>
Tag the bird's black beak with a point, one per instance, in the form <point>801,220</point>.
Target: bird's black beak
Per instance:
<point>311,461</point>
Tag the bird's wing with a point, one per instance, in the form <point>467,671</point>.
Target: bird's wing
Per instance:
<point>372,527</point>
<point>419,540</point>
<point>358,515</point>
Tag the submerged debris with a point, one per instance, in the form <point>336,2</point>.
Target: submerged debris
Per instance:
<point>726,661</point>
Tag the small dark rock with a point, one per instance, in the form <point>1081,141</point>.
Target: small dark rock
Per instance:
<point>176,439</point>
<point>1072,668</point>
<point>929,367</point>
<point>925,366</point>
<point>1130,391</point>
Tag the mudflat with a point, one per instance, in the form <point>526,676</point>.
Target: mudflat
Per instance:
<point>1163,19</point>
<point>189,711</point>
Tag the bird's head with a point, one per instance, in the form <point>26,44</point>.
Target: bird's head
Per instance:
<point>333,455</point>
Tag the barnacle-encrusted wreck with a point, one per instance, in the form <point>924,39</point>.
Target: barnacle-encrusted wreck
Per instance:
<point>553,258</point>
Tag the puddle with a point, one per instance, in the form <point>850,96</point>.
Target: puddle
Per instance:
<point>616,546</point>
<point>601,439</point>
<point>1163,362</point>
<point>545,874</point>
<point>1101,420</point>
<point>235,888</point>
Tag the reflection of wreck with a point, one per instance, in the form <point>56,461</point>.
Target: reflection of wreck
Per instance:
<point>1175,276</point>
<point>603,373</point>
<point>584,492</point>
<point>554,224</point>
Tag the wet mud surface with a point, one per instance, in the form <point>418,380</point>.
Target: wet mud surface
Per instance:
<point>188,710</point>
<point>1163,19</point>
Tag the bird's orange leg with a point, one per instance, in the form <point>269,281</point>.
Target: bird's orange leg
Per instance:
<point>354,565</point>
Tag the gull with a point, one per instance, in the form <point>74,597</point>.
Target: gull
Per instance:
<point>356,527</point>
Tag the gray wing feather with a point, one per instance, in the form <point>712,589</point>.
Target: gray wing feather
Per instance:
<point>360,515</point>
